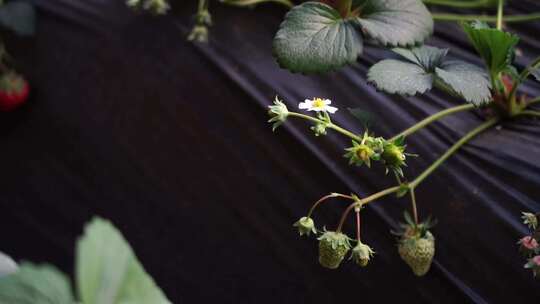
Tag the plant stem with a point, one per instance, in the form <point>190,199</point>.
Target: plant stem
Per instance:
<point>345,132</point>
<point>203,5</point>
<point>485,18</point>
<point>358,237</point>
<point>344,7</point>
<point>523,76</point>
<point>324,198</point>
<point>484,126</point>
<point>433,118</point>
<point>500,14</point>
<point>530,113</point>
<point>329,124</point>
<point>287,3</point>
<point>458,4</point>
<point>413,205</point>
<point>364,201</point>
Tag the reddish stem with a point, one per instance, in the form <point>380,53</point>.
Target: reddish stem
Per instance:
<point>324,198</point>
<point>358,225</point>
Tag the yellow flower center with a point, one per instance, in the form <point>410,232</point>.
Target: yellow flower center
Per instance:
<point>318,103</point>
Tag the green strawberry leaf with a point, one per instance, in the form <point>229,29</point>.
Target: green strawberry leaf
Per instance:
<point>36,284</point>
<point>407,78</point>
<point>398,77</point>
<point>314,38</point>
<point>108,271</point>
<point>426,66</point>
<point>494,46</point>
<point>400,23</point>
<point>465,80</point>
<point>19,17</point>
<point>427,57</point>
<point>7,265</point>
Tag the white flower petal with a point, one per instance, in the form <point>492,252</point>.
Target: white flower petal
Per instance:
<point>327,101</point>
<point>305,105</point>
<point>331,110</point>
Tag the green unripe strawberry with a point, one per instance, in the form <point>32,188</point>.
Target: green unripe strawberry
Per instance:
<point>393,155</point>
<point>416,245</point>
<point>361,254</point>
<point>418,252</point>
<point>333,246</point>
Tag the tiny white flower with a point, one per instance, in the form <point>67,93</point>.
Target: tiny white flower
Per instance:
<point>318,105</point>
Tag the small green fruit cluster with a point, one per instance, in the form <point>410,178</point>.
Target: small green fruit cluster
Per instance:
<point>334,246</point>
<point>390,152</point>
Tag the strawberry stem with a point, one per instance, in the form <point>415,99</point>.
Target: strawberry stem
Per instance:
<point>324,198</point>
<point>485,18</point>
<point>530,113</point>
<point>361,202</point>
<point>328,124</point>
<point>413,205</point>
<point>432,118</point>
<point>344,7</point>
<point>358,225</point>
<point>523,76</point>
<point>486,125</point>
<point>500,14</point>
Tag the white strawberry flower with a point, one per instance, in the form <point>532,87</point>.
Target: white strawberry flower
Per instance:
<point>318,105</point>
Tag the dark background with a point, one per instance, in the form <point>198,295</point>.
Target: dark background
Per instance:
<point>169,140</point>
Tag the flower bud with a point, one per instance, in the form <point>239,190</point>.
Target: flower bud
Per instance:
<point>393,155</point>
<point>319,129</point>
<point>530,220</point>
<point>278,113</point>
<point>534,265</point>
<point>528,245</point>
<point>199,33</point>
<point>305,226</point>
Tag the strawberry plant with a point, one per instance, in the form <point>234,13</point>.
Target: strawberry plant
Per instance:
<point>326,35</point>
<point>323,36</point>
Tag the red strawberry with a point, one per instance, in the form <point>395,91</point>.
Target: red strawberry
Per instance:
<point>14,91</point>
